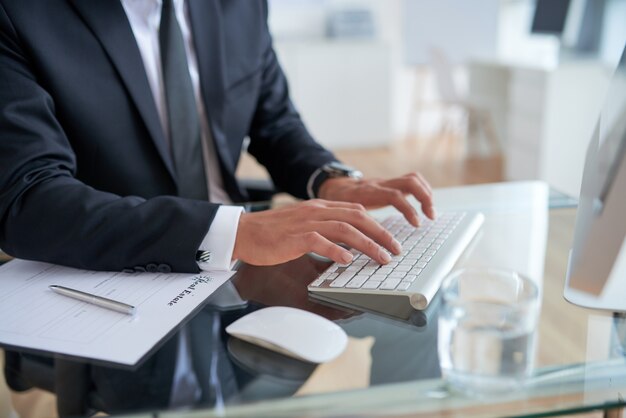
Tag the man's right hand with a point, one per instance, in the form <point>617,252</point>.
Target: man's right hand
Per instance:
<point>280,235</point>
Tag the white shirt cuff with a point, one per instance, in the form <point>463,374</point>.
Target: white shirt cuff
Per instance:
<point>220,240</point>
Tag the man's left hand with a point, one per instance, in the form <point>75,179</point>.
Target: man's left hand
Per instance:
<point>374,193</point>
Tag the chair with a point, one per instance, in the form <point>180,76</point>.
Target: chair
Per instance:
<point>475,120</point>
<point>65,378</point>
<point>260,192</point>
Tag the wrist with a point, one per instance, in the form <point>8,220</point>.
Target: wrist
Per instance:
<point>331,188</point>
<point>332,170</point>
<point>236,247</point>
<point>239,237</point>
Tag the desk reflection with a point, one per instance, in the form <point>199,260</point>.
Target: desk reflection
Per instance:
<point>286,285</point>
<point>200,366</point>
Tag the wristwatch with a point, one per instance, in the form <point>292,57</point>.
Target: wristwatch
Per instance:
<point>330,171</point>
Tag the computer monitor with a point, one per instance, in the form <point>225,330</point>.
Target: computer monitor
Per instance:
<point>583,30</point>
<point>550,16</point>
<point>596,275</point>
<point>580,25</point>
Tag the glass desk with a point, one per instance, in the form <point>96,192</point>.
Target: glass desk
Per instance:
<point>580,358</point>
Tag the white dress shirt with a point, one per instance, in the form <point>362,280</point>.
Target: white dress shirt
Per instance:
<point>144,17</point>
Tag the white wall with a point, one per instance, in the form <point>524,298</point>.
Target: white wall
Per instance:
<point>351,93</point>
<point>342,90</point>
<point>297,19</point>
<point>516,43</point>
<point>383,94</point>
<point>462,29</point>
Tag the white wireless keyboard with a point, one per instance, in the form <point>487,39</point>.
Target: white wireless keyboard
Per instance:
<point>428,254</point>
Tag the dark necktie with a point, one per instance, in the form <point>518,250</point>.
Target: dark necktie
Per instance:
<point>184,122</point>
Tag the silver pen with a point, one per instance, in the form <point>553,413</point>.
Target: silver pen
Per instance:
<point>94,299</point>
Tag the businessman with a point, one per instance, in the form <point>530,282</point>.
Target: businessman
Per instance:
<point>121,126</point>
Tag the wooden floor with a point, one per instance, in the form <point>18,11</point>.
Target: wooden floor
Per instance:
<point>442,160</point>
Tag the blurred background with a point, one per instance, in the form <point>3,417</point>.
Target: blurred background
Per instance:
<point>464,91</point>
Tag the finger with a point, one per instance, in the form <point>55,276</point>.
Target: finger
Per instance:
<point>422,181</point>
<point>417,189</point>
<point>412,185</point>
<point>433,212</point>
<point>335,204</point>
<point>378,196</point>
<point>396,198</point>
<point>425,182</point>
<point>314,242</point>
<point>338,231</point>
<point>366,224</point>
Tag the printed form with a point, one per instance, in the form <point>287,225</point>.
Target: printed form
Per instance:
<point>33,316</point>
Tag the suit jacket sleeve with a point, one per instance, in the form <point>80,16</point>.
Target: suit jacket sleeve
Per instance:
<point>46,214</point>
<point>278,138</point>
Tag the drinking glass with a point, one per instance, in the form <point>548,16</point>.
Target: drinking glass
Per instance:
<point>487,323</point>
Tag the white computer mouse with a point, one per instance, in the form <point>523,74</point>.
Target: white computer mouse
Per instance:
<point>293,332</point>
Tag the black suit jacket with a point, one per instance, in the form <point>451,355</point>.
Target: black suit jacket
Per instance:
<point>86,179</point>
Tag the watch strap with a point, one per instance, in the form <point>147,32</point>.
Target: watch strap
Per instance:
<point>331,170</point>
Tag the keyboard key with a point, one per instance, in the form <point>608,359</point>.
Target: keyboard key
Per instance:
<point>339,283</point>
<point>389,284</point>
<point>317,282</point>
<point>396,274</point>
<point>371,284</point>
<point>379,277</point>
<point>420,264</point>
<point>346,275</point>
<point>416,271</point>
<point>388,221</point>
<point>328,276</point>
<point>356,282</point>
<point>404,286</point>
<point>342,280</point>
<point>403,267</point>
